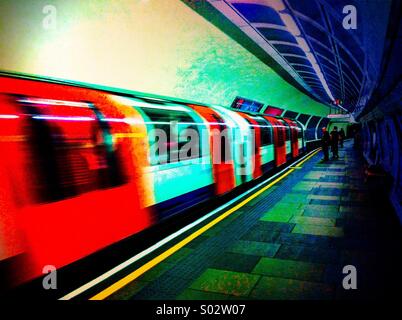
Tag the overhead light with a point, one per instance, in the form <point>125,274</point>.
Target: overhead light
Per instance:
<point>311,58</point>
<point>123,120</point>
<point>278,5</point>
<point>52,102</point>
<point>303,44</point>
<point>314,64</point>
<point>290,24</point>
<point>136,103</point>
<point>62,118</point>
<point>227,8</point>
<point>8,116</point>
<point>292,27</point>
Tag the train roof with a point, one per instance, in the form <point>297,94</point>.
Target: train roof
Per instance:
<point>146,97</point>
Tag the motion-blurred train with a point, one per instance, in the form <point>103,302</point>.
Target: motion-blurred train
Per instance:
<point>78,173</point>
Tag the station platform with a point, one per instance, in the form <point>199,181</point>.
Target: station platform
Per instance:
<point>291,241</point>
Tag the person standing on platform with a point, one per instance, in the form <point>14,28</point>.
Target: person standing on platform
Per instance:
<point>356,138</point>
<point>325,141</point>
<point>335,142</point>
<point>342,136</point>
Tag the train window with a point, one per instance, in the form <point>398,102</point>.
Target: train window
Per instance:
<point>281,135</point>
<point>311,128</point>
<point>294,130</point>
<point>266,136</point>
<point>71,149</point>
<point>173,130</point>
<point>290,114</point>
<point>303,118</point>
<point>299,132</point>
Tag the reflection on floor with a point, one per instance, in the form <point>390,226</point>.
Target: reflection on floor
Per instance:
<point>291,242</point>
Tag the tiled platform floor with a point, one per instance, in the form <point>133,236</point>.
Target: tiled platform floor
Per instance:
<point>289,243</point>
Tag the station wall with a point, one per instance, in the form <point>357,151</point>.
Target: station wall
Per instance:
<point>382,147</point>
<point>155,46</point>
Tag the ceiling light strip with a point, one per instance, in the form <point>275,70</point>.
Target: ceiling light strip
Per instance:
<point>293,28</point>
<point>233,15</point>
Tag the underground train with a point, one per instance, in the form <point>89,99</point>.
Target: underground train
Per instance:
<point>82,168</point>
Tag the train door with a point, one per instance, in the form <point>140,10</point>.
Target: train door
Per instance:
<point>293,137</point>
<point>242,144</point>
<point>255,144</point>
<point>288,143</point>
<point>267,149</point>
<point>279,140</point>
<point>220,149</point>
<point>300,135</point>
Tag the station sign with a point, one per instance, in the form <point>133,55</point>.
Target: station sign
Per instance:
<point>339,116</point>
<point>273,111</point>
<point>246,105</point>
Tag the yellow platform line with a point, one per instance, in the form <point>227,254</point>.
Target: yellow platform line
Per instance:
<point>152,263</point>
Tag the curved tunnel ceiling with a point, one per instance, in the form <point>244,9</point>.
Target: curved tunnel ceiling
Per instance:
<point>308,40</point>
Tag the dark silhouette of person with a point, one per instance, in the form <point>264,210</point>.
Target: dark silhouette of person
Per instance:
<point>342,136</point>
<point>356,138</point>
<point>325,142</point>
<point>335,142</point>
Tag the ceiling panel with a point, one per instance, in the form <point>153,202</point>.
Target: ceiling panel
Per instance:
<point>329,61</point>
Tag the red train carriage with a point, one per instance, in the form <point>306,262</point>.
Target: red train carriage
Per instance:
<point>74,170</point>
<point>66,166</point>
